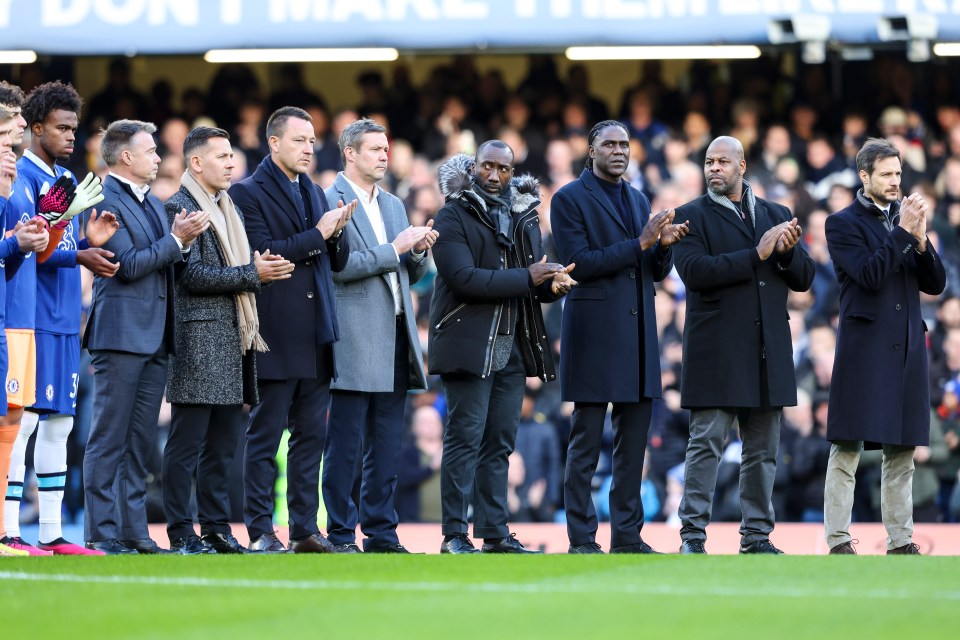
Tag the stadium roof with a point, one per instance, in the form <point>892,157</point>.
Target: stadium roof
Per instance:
<point>99,27</point>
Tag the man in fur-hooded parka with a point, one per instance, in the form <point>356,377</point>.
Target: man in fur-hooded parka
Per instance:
<point>486,335</point>
<point>482,276</point>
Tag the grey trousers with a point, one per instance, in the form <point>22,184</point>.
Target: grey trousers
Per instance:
<point>760,433</point>
<point>896,492</point>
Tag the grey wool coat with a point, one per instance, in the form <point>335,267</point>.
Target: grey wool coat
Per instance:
<point>365,306</point>
<point>209,367</point>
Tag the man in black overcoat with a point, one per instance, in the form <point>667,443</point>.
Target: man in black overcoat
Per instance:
<point>879,396</point>
<point>609,353</point>
<point>739,261</point>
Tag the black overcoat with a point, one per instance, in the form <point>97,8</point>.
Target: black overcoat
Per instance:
<point>601,355</point>
<point>737,349</point>
<point>297,314</point>
<point>879,391</point>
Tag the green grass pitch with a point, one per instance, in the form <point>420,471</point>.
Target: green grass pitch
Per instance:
<point>488,597</point>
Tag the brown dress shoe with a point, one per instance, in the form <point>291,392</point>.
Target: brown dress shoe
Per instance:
<point>316,543</point>
<point>844,548</point>
<point>908,550</point>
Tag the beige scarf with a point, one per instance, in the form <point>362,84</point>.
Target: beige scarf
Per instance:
<point>236,251</point>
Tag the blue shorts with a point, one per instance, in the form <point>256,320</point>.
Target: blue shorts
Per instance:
<point>58,370</point>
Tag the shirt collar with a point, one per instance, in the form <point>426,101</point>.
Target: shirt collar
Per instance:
<point>138,191</point>
<point>35,159</point>
<point>360,191</point>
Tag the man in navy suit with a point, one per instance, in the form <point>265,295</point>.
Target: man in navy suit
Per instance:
<point>608,344</point>
<point>287,214</point>
<point>129,336</point>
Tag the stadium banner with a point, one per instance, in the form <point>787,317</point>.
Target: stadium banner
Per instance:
<point>99,27</point>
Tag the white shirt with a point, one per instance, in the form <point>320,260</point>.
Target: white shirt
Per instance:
<point>372,206</point>
<point>140,193</point>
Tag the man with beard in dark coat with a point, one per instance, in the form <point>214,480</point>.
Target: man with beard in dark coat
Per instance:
<point>879,395</point>
<point>739,261</point>
<point>487,334</point>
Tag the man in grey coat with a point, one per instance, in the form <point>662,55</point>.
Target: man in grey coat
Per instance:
<point>379,351</point>
<point>213,371</point>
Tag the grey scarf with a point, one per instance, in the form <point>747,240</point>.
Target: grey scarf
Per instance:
<point>889,221</point>
<point>498,209</point>
<point>747,200</point>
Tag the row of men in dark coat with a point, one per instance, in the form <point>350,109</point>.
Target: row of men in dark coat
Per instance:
<point>336,321</point>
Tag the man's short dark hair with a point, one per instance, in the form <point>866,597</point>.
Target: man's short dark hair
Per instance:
<point>595,131</point>
<point>118,135</point>
<point>50,97</point>
<point>353,133</point>
<point>499,144</point>
<point>198,138</point>
<point>277,123</point>
<point>11,95</point>
<point>875,149</point>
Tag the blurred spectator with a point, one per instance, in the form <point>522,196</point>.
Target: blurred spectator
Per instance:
<point>418,484</point>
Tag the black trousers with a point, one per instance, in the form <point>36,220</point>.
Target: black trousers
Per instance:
<point>371,423</point>
<point>201,447</point>
<point>631,424</point>
<point>299,405</point>
<point>480,434</point>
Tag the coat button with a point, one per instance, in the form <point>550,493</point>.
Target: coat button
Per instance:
<point>163,297</point>
<point>762,283</point>
<point>633,311</point>
<point>756,321</point>
<point>898,307</point>
<point>633,274</point>
<point>310,295</point>
<point>896,347</point>
<point>308,262</point>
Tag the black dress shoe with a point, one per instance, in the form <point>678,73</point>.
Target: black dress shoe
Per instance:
<point>910,549</point>
<point>636,547</point>
<point>190,546</point>
<point>268,543</point>
<point>760,546</point>
<point>346,547</point>
<point>844,549</point>
<point>390,548</point>
<point>316,543</point>
<point>692,546</point>
<point>458,544</point>
<point>111,548</point>
<point>510,544</point>
<point>589,547</point>
<point>146,547</point>
<point>222,543</point>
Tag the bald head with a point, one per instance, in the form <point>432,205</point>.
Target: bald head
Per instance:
<point>727,144</point>
<point>724,167</point>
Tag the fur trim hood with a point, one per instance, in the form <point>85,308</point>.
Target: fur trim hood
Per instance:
<point>456,181</point>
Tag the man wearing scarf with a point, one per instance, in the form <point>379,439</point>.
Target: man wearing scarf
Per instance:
<point>738,262</point>
<point>487,334</point>
<point>217,334</point>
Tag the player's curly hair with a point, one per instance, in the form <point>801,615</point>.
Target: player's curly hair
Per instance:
<point>49,97</point>
<point>10,94</point>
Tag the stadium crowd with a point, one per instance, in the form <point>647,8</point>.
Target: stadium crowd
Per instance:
<point>800,138</point>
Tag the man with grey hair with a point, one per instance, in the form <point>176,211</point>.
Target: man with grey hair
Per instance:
<point>739,260</point>
<point>130,335</point>
<point>379,346</point>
